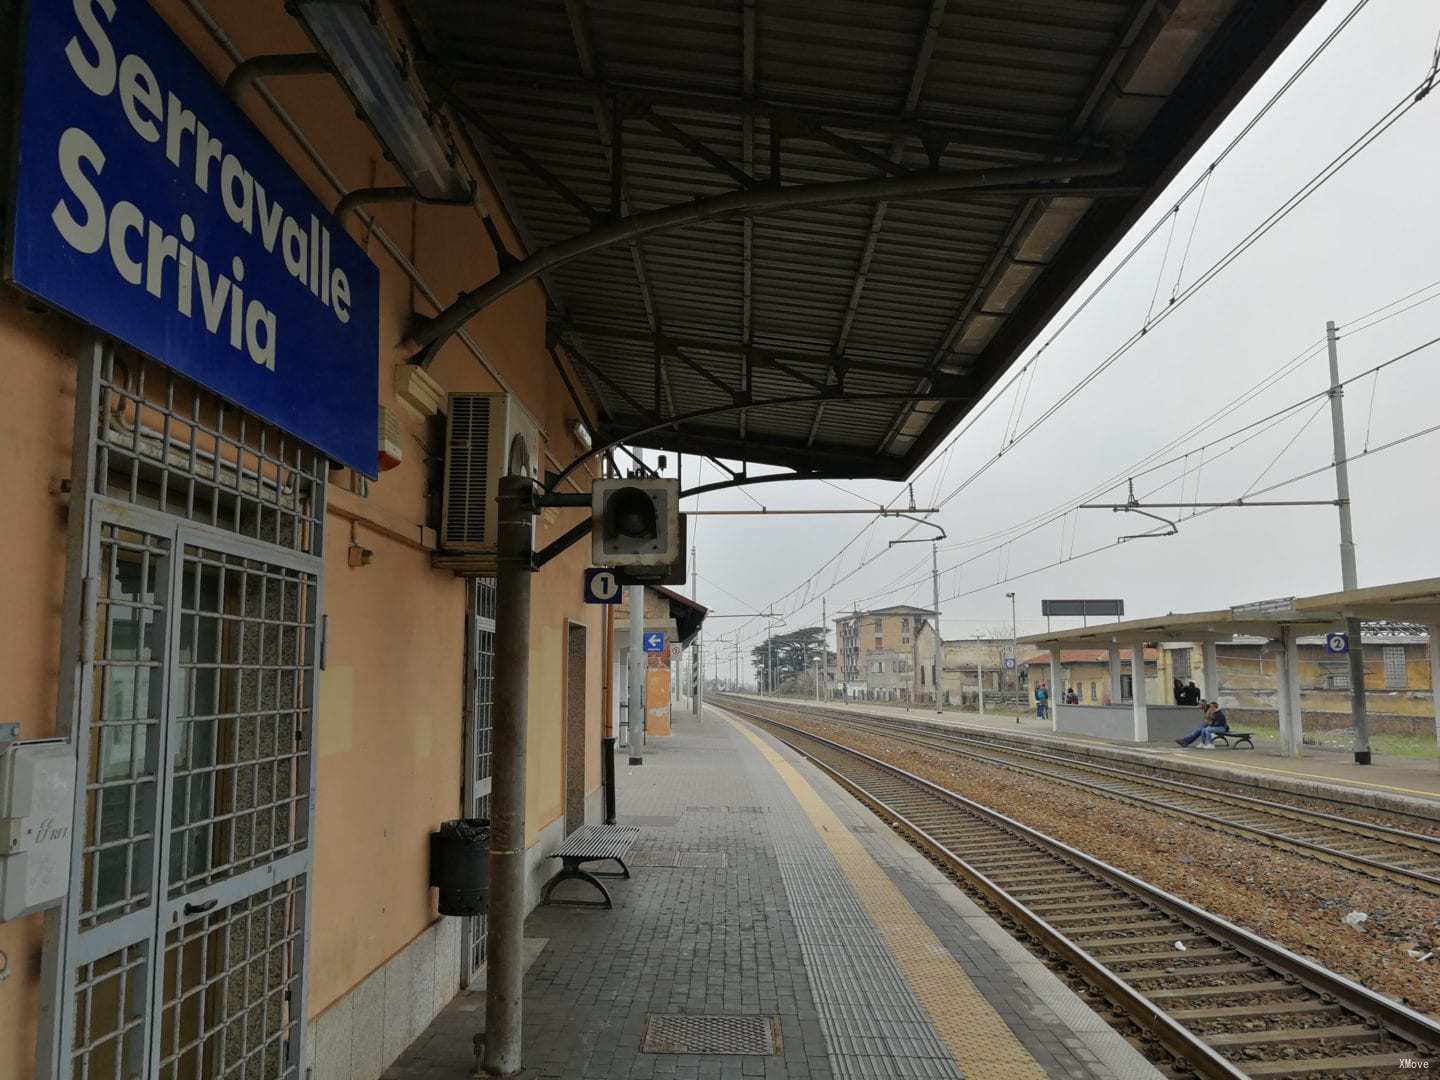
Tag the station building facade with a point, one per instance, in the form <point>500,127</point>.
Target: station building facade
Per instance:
<point>275,696</point>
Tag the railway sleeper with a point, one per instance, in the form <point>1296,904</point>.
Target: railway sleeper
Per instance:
<point>1382,1063</point>
<point>1269,986</point>
<point>1309,1006</point>
<point>1348,1033</point>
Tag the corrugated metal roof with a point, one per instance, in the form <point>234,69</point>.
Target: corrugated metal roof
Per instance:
<point>880,301</point>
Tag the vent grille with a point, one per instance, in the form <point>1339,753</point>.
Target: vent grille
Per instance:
<point>466,522</point>
<point>677,1034</point>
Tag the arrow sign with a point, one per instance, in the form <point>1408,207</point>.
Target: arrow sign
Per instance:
<point>601,586</point>
<point>655,641</point>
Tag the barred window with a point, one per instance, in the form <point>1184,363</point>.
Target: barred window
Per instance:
<point>1181,660</point>
<point>1395,671</point>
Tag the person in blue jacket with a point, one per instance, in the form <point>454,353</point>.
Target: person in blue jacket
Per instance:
<point>1042,701</point>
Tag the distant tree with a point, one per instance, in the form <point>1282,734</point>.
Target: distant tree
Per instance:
<point>788,655</point>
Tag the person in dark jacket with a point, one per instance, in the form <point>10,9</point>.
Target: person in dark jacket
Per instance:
<point>1191,694</point>
<point>1177,688</point>
<point>1215,723</point>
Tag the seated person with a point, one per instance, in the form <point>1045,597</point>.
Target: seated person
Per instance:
<point>1215,723</point>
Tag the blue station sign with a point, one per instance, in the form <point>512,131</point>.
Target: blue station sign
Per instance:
<point>149,206</point>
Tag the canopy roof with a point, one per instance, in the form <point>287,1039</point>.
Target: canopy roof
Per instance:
<point>856,211</point>
<point>1402,602</point>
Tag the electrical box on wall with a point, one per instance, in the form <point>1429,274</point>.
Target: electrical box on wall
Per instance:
<point>37,806</point>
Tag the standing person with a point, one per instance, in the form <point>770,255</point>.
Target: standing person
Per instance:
<point>1215,723</point>
<point>1191,694</point>
<point>1178,689</point>
<point>1042,701</point>
<point>1071,697</point>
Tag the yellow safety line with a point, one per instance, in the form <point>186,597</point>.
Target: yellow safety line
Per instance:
<point>979,1040</point>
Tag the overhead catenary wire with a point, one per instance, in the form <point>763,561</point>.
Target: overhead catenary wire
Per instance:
<point>1252,430</point>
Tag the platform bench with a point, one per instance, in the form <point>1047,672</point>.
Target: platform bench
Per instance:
<point>1232,740</point>
<point>587,844</point>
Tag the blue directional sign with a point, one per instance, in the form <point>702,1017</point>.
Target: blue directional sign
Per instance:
<point>655,641</point>
<point>148,205</point>
<point>601,586</point>
<point>1337,644</point>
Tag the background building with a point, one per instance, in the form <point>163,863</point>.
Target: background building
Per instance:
<point>886,654</point>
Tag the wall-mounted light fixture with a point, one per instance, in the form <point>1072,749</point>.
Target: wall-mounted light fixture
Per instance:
<point>379,78</point>
<point>581,433</point>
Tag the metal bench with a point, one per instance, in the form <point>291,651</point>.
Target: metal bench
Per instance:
<point>1239,737</point>
<point>592,843</point>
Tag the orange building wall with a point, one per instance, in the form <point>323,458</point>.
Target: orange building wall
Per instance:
<point>389,726</point>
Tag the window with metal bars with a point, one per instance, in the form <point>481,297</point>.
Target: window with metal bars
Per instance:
<point>165,442</point>
<point>1396,674</point>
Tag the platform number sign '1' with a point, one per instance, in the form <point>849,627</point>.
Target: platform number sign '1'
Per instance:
<point>147,205</point>
<point>601,586</point>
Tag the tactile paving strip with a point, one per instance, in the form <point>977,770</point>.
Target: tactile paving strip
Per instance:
<point>678,1033</point>
<point>892,1000</point>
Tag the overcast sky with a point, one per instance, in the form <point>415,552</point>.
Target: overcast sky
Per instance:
<point>1368,237</point>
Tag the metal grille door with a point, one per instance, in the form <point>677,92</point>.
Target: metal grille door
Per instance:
<point>479,699</point>
<point>192,714</point>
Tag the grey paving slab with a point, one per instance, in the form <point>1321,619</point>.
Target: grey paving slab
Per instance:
<point>736,907</point>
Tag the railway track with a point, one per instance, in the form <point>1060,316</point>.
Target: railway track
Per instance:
<point>1219,1000</point>
<point>1380,851</point>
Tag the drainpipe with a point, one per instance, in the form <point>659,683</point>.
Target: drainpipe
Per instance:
<point>607,743</point>
<point>505,929</point>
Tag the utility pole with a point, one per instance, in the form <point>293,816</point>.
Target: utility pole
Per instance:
<point>1348,580</point>
<point>1014,646</point>
<point>505,928</point>
<point>939,643</point>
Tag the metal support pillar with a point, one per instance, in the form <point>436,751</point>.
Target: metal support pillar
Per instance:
<point>505,928</point>
<point>636,664</point>
<point>939,641</point>
<point>1140,692</point>
<point>1435,676</point>
<point>1116,695</point>
<point>1287,694</point>
<point>1054,701</point>
<point>1210,671</point>
<point>1359,719</point>
<point>980,684</point>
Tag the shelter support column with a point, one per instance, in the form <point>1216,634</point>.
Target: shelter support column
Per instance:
<point>505,929</point>
<point>1210,671</point>
<point>636,704</point>
<point>1287,693</point>
<point>1434,629</point>
<point>1055,690</point>
<point>1115,695</point>
<point>1138,693</point>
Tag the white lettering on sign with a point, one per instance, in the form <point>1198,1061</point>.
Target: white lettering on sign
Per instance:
<point>149,254</point>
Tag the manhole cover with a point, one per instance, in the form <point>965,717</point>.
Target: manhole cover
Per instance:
<point>679,1034</point>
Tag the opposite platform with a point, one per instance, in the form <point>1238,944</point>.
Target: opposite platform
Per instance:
<point>763,891</point>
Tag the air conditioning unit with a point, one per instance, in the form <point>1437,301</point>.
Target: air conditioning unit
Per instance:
<point>487,436</point>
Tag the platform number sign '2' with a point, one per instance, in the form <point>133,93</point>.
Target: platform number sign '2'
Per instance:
<point>147,205</point>
<point>1337,644</point>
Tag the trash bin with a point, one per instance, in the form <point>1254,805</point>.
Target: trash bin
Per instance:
<point>460,866</point>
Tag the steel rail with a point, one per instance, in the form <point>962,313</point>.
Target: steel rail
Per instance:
<point>1402,1022</point>
<point>1413,842</point>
